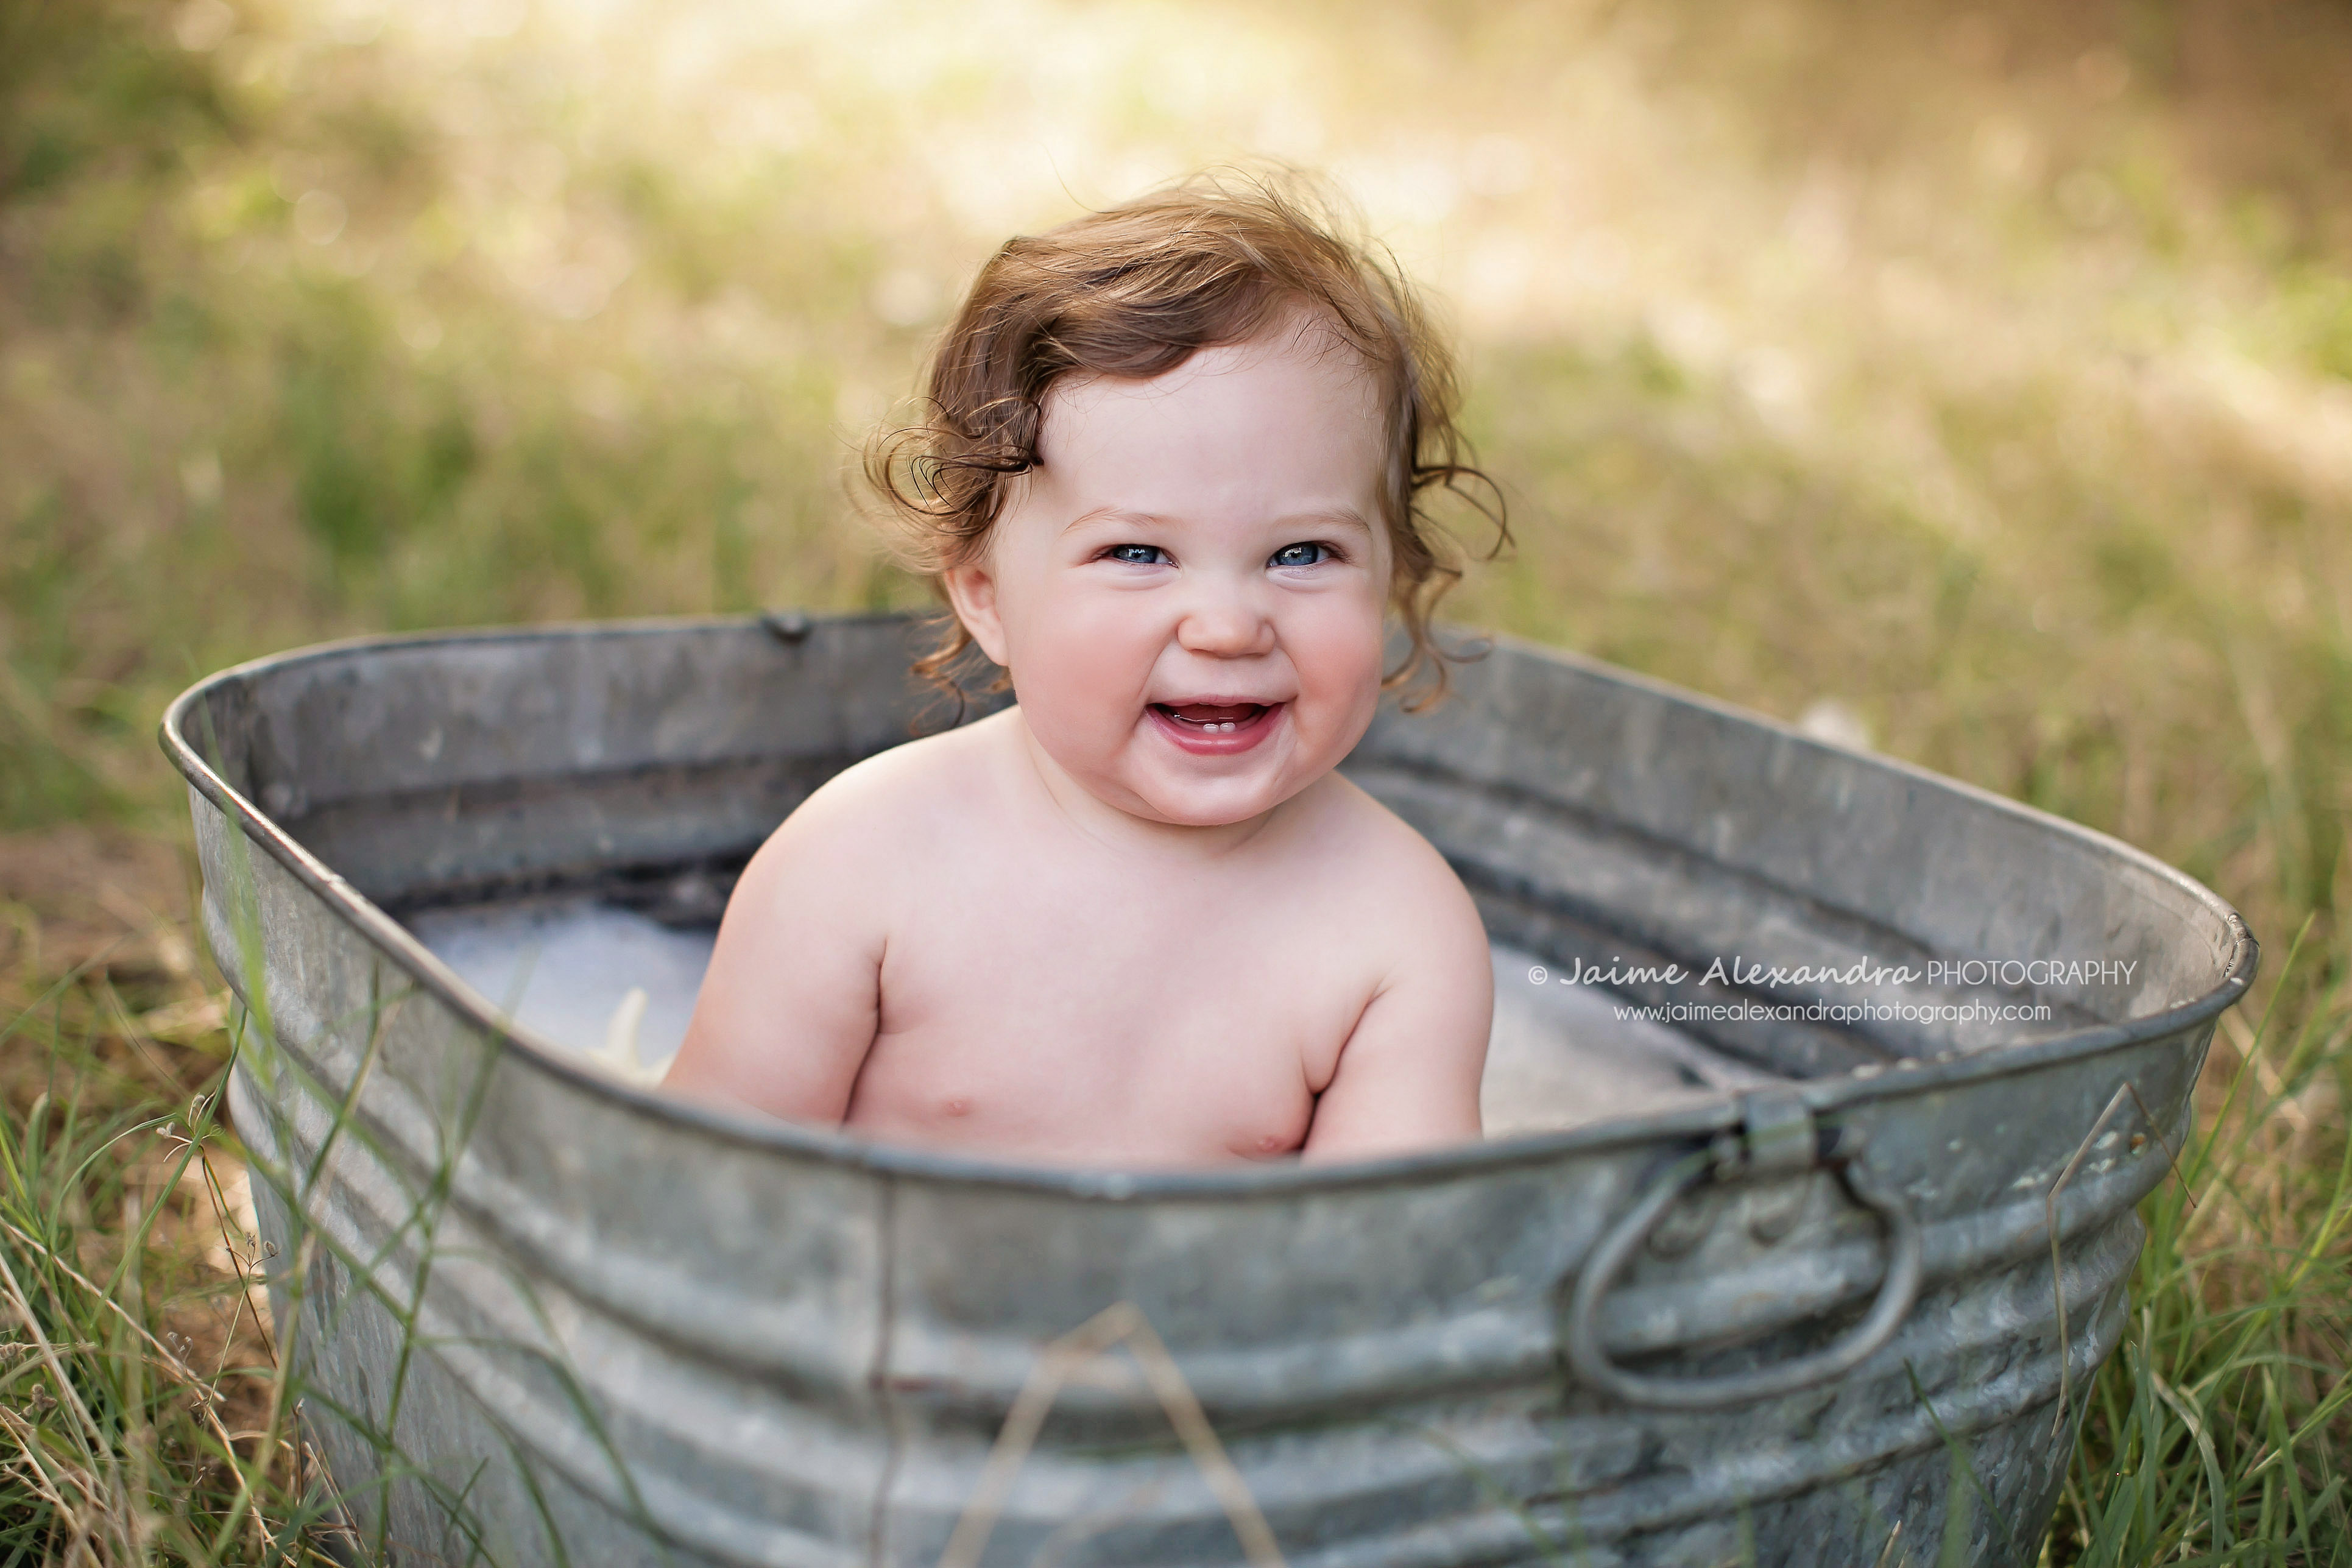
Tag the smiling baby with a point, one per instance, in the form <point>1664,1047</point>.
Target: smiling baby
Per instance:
<point>1172,485</point>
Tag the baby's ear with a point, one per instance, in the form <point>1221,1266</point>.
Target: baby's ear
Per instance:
<point>972,594</point>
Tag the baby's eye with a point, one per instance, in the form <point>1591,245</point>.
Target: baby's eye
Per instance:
<point>1311,553</point>
<point>1138,554</point>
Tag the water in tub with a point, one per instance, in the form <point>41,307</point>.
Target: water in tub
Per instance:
<point>618,987</point>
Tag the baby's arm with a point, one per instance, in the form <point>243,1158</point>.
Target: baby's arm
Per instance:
<point>1408,1077</point>
<point>791,999</point>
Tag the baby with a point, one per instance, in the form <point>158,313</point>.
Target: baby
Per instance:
<point>1174,489</point>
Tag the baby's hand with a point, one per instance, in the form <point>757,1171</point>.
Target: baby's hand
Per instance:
<point>619,1054</point>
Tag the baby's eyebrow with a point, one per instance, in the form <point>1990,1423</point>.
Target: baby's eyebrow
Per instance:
<point>1338,517</point>
<point>1341,517</point>
<point>1115,514</point>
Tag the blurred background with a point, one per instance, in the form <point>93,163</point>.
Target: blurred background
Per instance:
<point>1973,383</point>
<point>1969,382</point>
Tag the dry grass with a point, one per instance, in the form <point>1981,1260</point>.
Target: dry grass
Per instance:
<point>137,1376</point>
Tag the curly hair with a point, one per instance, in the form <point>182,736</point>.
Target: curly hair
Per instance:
<point>1135,290</point>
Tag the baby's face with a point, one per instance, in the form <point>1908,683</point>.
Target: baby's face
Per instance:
<point>1190,587</point>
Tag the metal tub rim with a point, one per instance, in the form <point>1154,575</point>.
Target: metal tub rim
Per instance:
<point>1824,1096</point>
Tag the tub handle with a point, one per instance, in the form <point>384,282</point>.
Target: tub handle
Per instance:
<point>1778,1139</point>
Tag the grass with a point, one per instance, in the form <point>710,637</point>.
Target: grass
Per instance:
<point>1980,378</point>
<point>2216,1434</point>
<point>139,1394</point>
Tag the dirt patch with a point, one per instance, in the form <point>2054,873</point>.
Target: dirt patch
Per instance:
<point>110,903</point>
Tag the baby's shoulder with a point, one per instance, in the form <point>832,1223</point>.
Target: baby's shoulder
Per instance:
<point>884,810</point>
<point>1378,859</point>
<point>1384,895</point>
<point>925,768</point>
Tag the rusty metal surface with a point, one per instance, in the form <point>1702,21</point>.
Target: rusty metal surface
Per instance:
<point>546,1316</point>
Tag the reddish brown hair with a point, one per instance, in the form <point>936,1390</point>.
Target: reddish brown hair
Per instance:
<point>1134,291</point>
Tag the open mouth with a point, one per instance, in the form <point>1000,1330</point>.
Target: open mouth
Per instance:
<point>1212,718</point>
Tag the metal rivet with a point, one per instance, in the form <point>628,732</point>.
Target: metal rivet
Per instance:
<point>790,627</point>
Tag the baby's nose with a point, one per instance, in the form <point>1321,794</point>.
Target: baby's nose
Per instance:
<point>1225,623</point>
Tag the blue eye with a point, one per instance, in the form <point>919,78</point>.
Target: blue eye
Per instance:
<point>1307,554</point>
<point>1137,554</point>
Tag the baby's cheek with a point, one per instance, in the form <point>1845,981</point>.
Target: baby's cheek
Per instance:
<point>1081,684</point>
<point>1347,642</point>
<point>1367,660</point>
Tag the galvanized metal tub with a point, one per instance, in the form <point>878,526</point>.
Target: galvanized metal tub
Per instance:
<point>1807,1309</point>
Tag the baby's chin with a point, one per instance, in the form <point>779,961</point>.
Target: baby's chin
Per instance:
<point>1168,816</point>
<point>1192,804</point>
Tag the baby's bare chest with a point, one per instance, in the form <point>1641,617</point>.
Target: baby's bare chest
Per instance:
<point>1113,1018</point>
